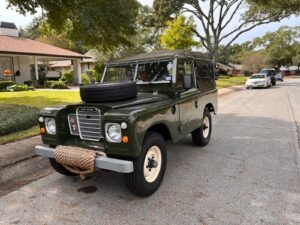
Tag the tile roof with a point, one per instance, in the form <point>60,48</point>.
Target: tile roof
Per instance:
<point>24,46</point>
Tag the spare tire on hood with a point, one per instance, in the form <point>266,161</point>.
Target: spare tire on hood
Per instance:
<point>108,92</point>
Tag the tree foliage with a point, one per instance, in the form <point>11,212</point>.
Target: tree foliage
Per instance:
<point>275,8</point>
<point>179,34</point>
<point>255,61</point>
<point>94,23</point>
<point>282,45</point>
<point>235,52</point>
<point>216,16</point>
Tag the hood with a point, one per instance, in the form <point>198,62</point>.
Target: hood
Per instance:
<point>141,98</point>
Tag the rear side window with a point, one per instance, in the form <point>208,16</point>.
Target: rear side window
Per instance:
<point>205,75</point>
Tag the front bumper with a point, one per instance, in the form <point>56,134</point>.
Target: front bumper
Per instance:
<point>256,85</point>
<point>122,166</point>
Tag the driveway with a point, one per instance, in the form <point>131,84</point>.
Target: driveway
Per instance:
<point>248,174</point>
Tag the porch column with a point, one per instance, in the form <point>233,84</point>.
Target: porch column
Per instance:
<point>36,71</point>
<point>77,71</point>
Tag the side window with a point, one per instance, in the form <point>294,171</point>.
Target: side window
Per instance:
<point>184,67</point>
<point>154,71</point>
<point>204,75</point>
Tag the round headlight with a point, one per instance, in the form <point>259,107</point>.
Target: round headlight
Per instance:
<point>113,132</point>
<point>50,126</point>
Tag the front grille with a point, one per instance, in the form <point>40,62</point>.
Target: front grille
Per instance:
<point>89,123</point>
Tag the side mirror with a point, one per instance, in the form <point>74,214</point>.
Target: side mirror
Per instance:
<point>187,82</point>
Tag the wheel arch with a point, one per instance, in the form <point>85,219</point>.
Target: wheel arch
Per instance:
<point>162,129</point>
<point>210,108</point>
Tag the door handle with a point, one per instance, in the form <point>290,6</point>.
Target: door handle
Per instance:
<point>196,104</point>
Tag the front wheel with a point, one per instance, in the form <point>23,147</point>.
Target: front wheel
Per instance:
<point>201,135</point>
<point>149,168</point>
<point>60,168</point>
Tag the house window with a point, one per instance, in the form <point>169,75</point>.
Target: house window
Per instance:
<point>6,63</point>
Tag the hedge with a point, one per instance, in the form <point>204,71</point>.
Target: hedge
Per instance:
<point>17,118</point>
<point>55,84</point>
<point>5,84</point>
<point>18,87</point>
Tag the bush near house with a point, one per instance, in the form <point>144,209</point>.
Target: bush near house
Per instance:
<point>53,84</point>
<point>67,77</point>
<point>18,87</point>
<point>15,118</point>
<point>5,84</point>
<point>90,76</point>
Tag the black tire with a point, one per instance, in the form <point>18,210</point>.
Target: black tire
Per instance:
<point>60,169</point>
<point>137,181</point>
<point>198,135</point>
<point>108,92</point>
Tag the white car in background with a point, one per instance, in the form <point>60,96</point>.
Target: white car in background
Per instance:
<point>258,80</point>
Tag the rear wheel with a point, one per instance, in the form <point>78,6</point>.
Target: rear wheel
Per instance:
<point>201,135</point>
<point>150,167</point>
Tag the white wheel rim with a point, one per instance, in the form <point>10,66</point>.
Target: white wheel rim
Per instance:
<point>151,174</point>
<point>206,127</point>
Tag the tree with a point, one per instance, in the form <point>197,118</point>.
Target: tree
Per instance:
<point>95,23</point>
<point>179,34</point>
<point>275,7</point>
<point>256,60</point>
<point>234,53</point>
<point>42,31</point>
<point>282,45</point>
<point>216,17</point>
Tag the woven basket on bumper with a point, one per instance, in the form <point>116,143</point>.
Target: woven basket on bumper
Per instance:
<point>77,160</point>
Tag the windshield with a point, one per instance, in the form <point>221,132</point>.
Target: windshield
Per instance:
<point>257,76</point>
<point>119,73</point>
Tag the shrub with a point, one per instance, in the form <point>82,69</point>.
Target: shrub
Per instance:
<point>85,79</point>
<point>5,84</point>
<point>99,68</point>
<point>58,85</point>
<point>67,77</point>
<point>30,82</point>
<point>18,87</point>
<point>17,118</point>
<point>48,83</point>
<point>91,76</point>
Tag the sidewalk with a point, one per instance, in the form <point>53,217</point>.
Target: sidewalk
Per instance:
<point>24,149</point>
<point>18,151</point>
<point>229,90</point>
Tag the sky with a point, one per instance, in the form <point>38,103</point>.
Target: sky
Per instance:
<point>10,15</point>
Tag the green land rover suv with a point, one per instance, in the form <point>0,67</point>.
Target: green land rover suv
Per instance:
<point>124,122</point>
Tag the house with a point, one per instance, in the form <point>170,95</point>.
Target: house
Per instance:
<point>66,65</point>
<point>291,70</point>
<point>237,69</point>
<point>224,69</point>
<point>22,59</point>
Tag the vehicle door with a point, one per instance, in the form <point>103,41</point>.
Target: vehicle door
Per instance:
<point>187,97</point>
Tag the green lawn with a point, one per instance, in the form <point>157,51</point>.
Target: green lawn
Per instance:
<point>223,82</point>
<point>39,99</point>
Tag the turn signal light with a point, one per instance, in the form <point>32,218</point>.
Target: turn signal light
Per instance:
<point>125,139</point>
<point>42,130</point>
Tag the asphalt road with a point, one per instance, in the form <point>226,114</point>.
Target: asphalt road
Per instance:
<point>248,174</point>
